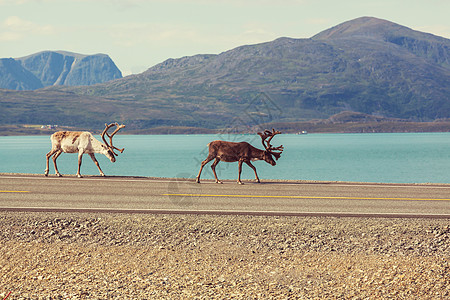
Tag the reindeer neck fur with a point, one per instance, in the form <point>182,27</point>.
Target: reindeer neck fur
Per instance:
<point>97,146</point>
<point>257,154</point>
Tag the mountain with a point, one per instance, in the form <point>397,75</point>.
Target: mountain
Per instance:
<point>425,45</point>
<point>50,68</point>
<point>14,77</point>
<point>366,65</point>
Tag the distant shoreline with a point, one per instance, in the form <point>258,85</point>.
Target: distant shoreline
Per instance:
<point>285,127</point>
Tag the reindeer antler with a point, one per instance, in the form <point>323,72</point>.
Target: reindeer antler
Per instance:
<point>105,131</point>
<point>110,145</point>
<point>266,143</point>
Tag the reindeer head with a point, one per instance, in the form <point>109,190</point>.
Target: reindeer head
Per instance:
<point>270,150</point>
<point>109,148</point>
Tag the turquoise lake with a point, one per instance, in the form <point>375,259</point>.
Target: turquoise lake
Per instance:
<point>378,157</point>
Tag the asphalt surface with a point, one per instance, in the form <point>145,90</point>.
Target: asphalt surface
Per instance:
<point>21,192</point>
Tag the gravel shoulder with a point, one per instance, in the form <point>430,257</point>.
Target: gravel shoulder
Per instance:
<point>100,256</point>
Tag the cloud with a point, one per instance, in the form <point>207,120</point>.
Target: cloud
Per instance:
<point>9,36</point>
<point>15,28</point>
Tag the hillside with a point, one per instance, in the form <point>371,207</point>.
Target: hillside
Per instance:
<point>50,68</point>
<point>366,65</point>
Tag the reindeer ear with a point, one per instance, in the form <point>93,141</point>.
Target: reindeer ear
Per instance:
<point>277,155</point>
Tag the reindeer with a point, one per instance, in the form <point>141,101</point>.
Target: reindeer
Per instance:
<point>242,152</point>
<point>83,142</point>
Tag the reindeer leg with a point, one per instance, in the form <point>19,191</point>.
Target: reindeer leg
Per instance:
<point>47,159</point>
<point>254,169</point>
<point>207,160</point>
<point>80,156</point>
<point>213,167</point>
<point>240,171</point>
<point>55,156</point>
<point>96,163</point>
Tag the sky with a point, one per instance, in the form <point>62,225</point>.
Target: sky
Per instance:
<point>138,34</point>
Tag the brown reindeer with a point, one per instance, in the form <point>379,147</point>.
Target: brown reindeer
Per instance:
<point>82,142</point>
<point>242,152</point>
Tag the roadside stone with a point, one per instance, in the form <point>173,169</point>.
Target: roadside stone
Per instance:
<point>77,256</point>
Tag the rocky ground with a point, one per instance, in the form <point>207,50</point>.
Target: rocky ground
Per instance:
<point>109,256</point>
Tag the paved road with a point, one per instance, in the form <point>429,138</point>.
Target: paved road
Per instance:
<point>147,195</point>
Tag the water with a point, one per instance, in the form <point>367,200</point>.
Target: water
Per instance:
<point>390,157</point>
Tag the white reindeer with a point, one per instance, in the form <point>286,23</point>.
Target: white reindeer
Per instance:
<point>81,143</point>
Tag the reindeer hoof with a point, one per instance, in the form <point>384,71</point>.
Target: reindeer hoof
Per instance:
<point>218,181</point>
<point>58,174</point>
<point>240,182</point>
<point>79,176</point>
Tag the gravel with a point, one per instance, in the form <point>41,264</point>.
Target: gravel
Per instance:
<point>140,256</point>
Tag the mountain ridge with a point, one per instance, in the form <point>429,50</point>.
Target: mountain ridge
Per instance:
<point>57,68</point>
<point>402,75</point>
